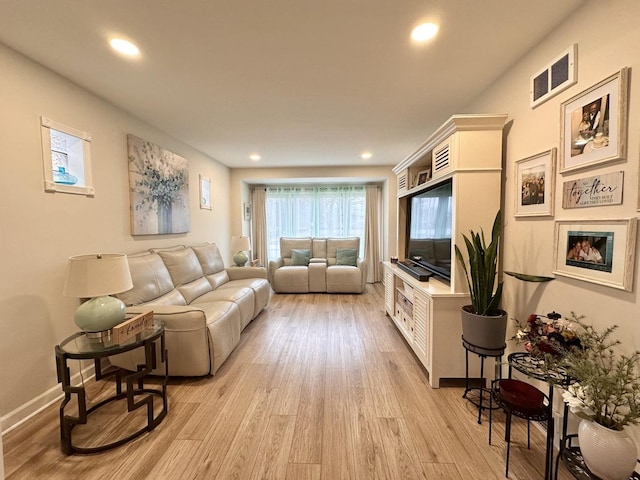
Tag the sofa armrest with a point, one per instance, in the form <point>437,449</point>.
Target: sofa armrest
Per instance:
<point>361,263</point>
<point>273,266</point>
<point>175,317</point>
<point>240,273</point>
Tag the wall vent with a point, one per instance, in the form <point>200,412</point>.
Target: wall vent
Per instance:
<point>441,158</point>
<point>402,182</point>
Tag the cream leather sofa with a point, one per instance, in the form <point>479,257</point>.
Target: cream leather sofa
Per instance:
<point>203,305</point>
<point>323,272</point>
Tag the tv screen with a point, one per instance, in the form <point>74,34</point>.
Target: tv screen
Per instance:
<point>429,229</point>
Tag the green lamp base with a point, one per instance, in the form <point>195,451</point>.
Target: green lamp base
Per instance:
<point>99,315</point>
<point>240,259</point>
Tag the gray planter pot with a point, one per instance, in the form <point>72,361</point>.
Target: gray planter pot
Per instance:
<point>486,333</point>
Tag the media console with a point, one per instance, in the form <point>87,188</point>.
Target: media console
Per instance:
<point>415,270</point>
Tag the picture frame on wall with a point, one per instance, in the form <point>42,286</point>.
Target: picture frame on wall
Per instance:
<point>205,193</point>
<point>424,176</point>
<point>594,124</point>
<point>246,208</point>
<point>535,184</point>
<point>596,251</point>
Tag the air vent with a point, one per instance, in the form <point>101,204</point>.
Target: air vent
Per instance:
<point>402,182</point>
<point>441,158</point>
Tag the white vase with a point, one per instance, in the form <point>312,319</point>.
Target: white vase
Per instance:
<point>610,454</point>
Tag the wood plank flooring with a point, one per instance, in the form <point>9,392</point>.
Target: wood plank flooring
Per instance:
<point>321,387</point>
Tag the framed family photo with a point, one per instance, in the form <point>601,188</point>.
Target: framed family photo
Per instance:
<point>594,124</point>
<point>535,184</point>
<point>596,251</point>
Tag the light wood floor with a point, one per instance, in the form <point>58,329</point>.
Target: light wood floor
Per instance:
<point>320,387</point>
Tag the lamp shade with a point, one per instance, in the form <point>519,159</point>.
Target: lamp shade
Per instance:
<point>96,275</point>
<point>240,244</point>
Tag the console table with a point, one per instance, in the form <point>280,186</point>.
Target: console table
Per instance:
<point>79,347</point>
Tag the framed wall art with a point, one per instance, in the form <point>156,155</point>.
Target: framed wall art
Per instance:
<point>246,208</point>
<point>605,189</point>
<point>205,193</point>
<point>535,181</point>
<point>159,185</point>
<point>594,124</point>
<point>596,251</point>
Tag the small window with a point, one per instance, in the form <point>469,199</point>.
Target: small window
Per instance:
<point>66,156</point>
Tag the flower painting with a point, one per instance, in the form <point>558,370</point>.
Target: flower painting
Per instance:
<point>159,185</point>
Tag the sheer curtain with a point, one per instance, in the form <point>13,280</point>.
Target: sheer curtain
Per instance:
<point>373,234</point>
<point>259,225</point>
<point>314,211</point>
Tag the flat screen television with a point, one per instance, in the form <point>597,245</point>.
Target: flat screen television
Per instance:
<point>429,222</point>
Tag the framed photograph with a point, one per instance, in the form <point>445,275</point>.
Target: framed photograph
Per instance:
<point>246,207</point>
<point>596,251</point>
<point>594,124</point>
<point>535,184</point>
<point>555,77</point>
<point>205,193</point>
<point>424,176</point>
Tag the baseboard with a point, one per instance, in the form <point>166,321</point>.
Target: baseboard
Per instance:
<point>20,415</point>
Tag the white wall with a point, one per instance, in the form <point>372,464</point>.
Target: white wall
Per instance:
<point>607,34</point>
<point>40,230</point>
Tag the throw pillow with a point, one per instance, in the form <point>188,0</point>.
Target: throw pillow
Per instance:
<point>300,257</point>
<point>346,256</point>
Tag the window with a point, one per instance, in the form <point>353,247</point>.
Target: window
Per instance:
<point>66,156</point>
<point>320,211</point>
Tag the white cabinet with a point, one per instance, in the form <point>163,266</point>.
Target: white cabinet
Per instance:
<point>429,320</point>
<point>468,150</point>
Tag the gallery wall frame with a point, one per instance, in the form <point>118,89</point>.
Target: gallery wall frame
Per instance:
<point>205,193</point>
<point>555,77</point>
<point>246,208</point>
<point>594,124</point>
<point>535,184</point>
<point>593,191</point>
<point>596,251</point>
<point>66,158</point>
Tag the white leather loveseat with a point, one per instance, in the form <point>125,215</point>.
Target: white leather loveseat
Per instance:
<point>318,265</point>
<point>203,305</point>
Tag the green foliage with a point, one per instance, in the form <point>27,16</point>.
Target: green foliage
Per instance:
<point>608,384</point>
<point>482,274</point>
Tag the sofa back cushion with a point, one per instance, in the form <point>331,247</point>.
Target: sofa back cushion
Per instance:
<point>287,244</point>
<point>151,281</point>
<point>186,273</point>
<point>212,265</point>
<point>319,248</point>
<point>334,243</point>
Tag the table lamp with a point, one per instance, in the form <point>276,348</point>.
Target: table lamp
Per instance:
<point>96,277</point>
<point>240,245</point>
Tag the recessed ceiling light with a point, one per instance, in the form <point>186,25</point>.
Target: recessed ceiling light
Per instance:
<point>124,46</point>
<point>255,157</point>
<point>424,32</point>
<point>366,155</point>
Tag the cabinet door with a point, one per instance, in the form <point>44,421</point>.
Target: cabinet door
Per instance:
<point>422,326</point>
<point>389,292</point>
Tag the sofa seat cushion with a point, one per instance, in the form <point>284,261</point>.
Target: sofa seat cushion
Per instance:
<point>344,279</point>
<point>243,297</point>
<point>261,291</point>
<point>291,279</point>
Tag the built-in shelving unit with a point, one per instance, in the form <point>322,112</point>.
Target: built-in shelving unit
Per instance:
<point>467,149</point>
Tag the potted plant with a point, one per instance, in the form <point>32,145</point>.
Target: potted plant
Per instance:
<point>484,324</point>
<point>607,397</point>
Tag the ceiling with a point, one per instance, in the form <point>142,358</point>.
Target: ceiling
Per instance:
<point>301,82</point>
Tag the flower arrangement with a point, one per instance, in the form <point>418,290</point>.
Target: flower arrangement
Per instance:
<point>607,390</point>
<point>544,335</point>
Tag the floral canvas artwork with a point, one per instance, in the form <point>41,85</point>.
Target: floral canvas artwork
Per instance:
<point>159,185</point>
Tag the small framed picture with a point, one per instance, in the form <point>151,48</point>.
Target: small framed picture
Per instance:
<point>535,182</point>
<point>246,207</point>
<point>424,176</point>
<point>596,251</point>
<point>594,124</point>
<point>205,193</point>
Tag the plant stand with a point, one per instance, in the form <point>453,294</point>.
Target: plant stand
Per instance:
<point>483,353</point>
